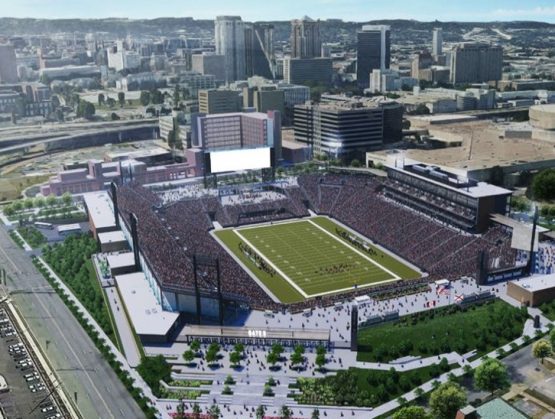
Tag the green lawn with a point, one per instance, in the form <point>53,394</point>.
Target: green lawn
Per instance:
<point>548,310</point>
<point>364,388</point>
<point>482,327</point>
<point>307,258</point>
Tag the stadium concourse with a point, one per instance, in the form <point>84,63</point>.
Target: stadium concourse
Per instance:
<point>171,232</point>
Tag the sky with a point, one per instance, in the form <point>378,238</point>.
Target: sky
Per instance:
<point>252,10</point>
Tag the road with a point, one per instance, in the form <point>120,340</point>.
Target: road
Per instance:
<point>79,365</point>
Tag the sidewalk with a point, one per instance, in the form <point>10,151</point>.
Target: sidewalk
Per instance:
<point>126,337</point>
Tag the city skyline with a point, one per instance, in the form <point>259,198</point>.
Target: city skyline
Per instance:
<point>351,10</point>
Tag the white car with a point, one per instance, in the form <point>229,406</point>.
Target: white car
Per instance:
<point>47,409</point>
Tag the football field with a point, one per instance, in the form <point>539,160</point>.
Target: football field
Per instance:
<point>307,258</point>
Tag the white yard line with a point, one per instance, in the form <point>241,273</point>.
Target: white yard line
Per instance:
<point>395,276</point>
<point>279,271</point>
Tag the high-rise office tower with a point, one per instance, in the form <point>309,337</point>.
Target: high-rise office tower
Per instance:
<point>259,50</point>
<point>437,42</point>
<point>476,63</point>
<point>8,65</point>
<point>373,51</point>
<point>230,42</point>
<point>305,38</point>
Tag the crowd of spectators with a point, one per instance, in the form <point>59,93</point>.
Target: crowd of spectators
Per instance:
<point>435,247</point>
<point>545,258</point>
<point>172,232</point>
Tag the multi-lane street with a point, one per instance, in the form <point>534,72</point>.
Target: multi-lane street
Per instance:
<point>85,376</point>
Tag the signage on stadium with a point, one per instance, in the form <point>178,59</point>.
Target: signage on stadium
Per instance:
<point>257,333</point>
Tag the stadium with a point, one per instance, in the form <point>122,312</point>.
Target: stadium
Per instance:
<point>298,242</point>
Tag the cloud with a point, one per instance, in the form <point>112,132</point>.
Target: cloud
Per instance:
<point>539,11</point>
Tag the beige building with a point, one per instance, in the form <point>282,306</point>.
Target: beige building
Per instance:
<point>533,291</point>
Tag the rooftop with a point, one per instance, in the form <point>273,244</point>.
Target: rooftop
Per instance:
<point>147,315</point>
<point>536,282</point>
<point>111,237</point>
<point>453,181</point>
<point>121,260</point>
<point>100,210</point>
<point>499,409</point>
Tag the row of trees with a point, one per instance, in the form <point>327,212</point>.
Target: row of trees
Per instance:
<point>156,97</point>
<point>38,202</point>
<point>71,261</point>
<point>449,397</point>
<point>111,102</point>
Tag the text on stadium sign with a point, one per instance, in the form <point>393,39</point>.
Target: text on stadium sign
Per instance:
<point>257,333</point>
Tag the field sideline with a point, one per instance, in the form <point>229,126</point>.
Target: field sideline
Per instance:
<point>311,257</point>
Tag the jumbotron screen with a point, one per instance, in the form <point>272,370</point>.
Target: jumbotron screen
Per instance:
<point>236,160</point>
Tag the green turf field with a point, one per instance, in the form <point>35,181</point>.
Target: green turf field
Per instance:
<point>308,258</point>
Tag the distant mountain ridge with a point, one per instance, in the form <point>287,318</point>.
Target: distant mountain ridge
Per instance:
<point>172,26</point>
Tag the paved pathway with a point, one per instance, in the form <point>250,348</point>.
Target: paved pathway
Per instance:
<point>126,337</point>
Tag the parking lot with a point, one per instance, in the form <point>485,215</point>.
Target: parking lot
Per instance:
<point>27,395</point>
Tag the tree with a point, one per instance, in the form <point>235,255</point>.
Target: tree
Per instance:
<point>491,375</point>
<point>114,117</point>
<point>285,412</point>
<point>196,411</point>
<point>101,99</point>
<point>188,356</point>
<point>315,414</point>
<point>214,411</point>
<point>446,400</point>
<point>51,200</point>
<point>355,163</point>
<point>111,102</point>
<point>542,349</point>
<point>277,348</point>
<point>195,345</point>
<point>67,198</point>
<point>235,358</point>
<point>39,202</point>
<point>260,412</point>
<point>157,97</point>
<point>272,358</point>
<point>154,369</point>
<point>144,98</point>
<point>552,338</point>
<point>411,412</point>
<point>299,349</point>
<point>239,347</point>
<point>296,358</point>
<point>85,109</point>
<point>320,360</point>
<point>180,411</point>
<point>121,98</point>
<point>211,357</point>
<point>543,185</point>
<point>28,203</point>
